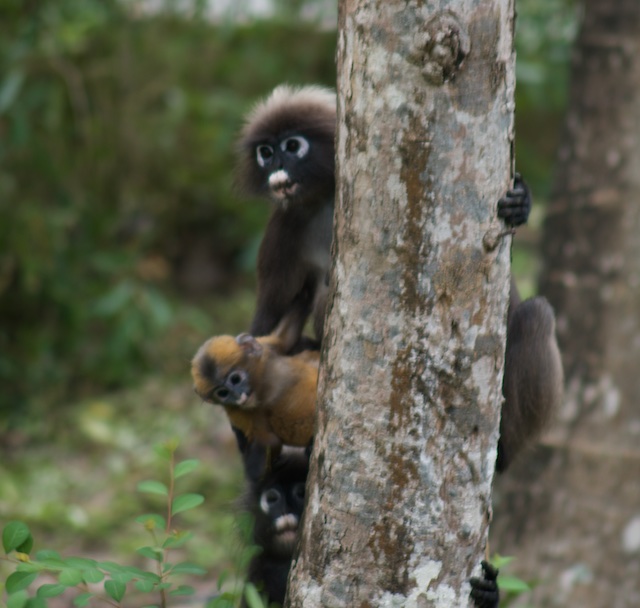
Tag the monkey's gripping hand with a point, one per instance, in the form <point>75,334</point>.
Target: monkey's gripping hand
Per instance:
<point>515,206</point>
<point>484,591</point>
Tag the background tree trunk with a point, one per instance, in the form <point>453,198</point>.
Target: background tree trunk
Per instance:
<point>572,514</point>
<point>400,486</point>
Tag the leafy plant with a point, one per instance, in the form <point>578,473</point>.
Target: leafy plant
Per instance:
<point>231,597</point>
<point>107,581</point>
<point>511,587</point>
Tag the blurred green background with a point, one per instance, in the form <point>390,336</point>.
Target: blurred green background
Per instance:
<point>123,246</point>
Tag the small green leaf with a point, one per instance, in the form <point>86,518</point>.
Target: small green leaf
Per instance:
<point>187,568</point>
<point>70,577</point>
<point>512,584</point>
<point>29,567</point>
<point>26,546</point>
<point>245,522</point>
<point>152,521</point>
<point>224,575</point>
<point>36,602</point>
<point>15,534</point>
<point>53,590</point>
<point>123,577</point>
<point>81,562</point>
<point>143,575</point>
<point>17,600</point>
<point>151,552</point>
<point>177,540</point>
<point>153,487</point>
<point>92,575</point>
<point>252,596</point>
<point>500,561</point>
<point>247,554</point>
<point>144,586</point>
<point>167,449</point>
<point>115,589</point>
<point>163,451</point>
<point>55,565</point>
<point>186,502</point>
<point>82,600</point>
<point>110,567</point>
<point>19,581</point>
<point>47,554</point>
<point>186,466</point>
<point>183,590</point>
<point>221,602</point>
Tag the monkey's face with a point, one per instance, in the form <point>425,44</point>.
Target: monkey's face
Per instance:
<point>279,502</point>
<point>281,506</point>
<point>286,147</point>
<point>295,168</point>
<point>232,388</point>
<point>221,373</point>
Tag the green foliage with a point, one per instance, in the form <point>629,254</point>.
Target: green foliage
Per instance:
<point>116,155</point>
<point>511,587</point>
<point>87,581</point>
<point>90,581</point>
<point>230,595</point>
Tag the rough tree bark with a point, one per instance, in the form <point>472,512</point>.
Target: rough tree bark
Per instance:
<point>572,513</point>
<point>410,388</point>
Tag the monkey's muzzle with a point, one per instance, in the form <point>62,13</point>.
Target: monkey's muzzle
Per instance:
<point>281,185</point>
<point>286,532</point>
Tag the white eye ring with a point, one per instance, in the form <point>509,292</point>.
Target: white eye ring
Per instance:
<point>264,153</point>
<point>269,498</point>
<point>296,145</point>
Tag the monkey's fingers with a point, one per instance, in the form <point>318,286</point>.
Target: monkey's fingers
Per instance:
<point>515,206</point>
<point>484,591</point>
<point>485,599</point>
<point>489,571</point>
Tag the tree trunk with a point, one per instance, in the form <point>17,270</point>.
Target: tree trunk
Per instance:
<point>399,496</point>
<point>572,516</point>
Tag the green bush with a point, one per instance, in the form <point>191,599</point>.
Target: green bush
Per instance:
<point>157,581</point>
<point>116,155</point>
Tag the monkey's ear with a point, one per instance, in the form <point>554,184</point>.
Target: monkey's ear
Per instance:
<point>249,345</point>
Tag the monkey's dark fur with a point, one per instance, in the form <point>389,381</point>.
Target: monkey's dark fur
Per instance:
<point>295,252</point>
<point>533,375</point>
<point>484,591</point>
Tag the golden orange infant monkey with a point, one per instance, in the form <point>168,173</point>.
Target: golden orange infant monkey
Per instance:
<point>270,397</point>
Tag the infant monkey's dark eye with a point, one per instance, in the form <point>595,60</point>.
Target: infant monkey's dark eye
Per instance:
<point>235,378</point>
<point>222,393</point>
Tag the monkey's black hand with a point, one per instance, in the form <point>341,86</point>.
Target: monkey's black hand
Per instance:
<point>484,591</point>
<point>515,206</point>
